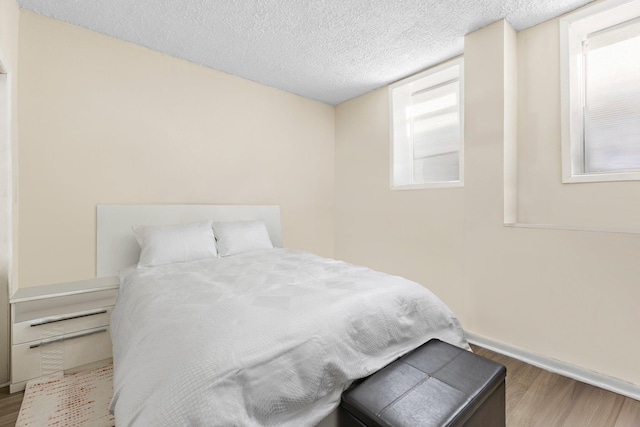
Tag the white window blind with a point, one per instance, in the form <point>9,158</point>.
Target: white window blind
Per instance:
<point>436,133</point>
<point>426,133</point>
<point>612,99</point>
<point>600,81</point>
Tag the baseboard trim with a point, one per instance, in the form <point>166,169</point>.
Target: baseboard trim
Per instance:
<point>606,382</point>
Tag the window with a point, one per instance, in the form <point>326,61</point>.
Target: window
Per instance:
<point>601,93</point>
<point>427,128</point>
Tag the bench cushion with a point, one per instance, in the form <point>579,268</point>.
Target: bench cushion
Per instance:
<point>437,384</point>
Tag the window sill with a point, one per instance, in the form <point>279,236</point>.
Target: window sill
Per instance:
<point>601,177</point>
<point>572,228</point>
<point>447,184</point>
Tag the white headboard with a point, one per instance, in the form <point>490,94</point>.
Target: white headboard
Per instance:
<point>117,247</point>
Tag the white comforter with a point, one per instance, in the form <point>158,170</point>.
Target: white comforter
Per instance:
<point>264,338</point>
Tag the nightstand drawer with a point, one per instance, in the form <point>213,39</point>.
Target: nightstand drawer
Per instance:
<point>60,352</point>
<point>48,327</point>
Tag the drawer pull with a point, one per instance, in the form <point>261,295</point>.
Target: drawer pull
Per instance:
<point>68,337</point>
<point>61,319</point>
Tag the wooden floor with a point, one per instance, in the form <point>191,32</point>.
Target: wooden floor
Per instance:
<point>535,397</point>
<point>9,407</point>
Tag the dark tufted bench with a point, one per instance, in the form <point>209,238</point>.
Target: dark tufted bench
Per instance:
<point>436,384</point>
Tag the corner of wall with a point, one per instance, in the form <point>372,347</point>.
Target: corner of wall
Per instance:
<point>510,124</point>
<point>9,18</point>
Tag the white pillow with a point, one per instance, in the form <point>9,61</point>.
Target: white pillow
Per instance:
<point>166,244</point>
<point>241,236</point>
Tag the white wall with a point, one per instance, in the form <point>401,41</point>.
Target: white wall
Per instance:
<point>105,121</point>
<point>569,295</point>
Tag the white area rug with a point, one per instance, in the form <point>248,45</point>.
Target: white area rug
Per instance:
<point>79,400</point>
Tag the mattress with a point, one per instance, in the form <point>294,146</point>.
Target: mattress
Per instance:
<point>265,338</point>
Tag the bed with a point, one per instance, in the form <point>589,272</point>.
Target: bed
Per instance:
<point>265,336</point>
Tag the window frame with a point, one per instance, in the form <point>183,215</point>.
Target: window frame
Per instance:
<point>574,29</point>
<point>459,62</point>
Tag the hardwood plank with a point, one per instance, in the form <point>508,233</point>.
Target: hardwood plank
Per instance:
<point>11,401</point>
<point>519,380</point>
<point>536,397</point>
<point>593,406</point>
<point>9,407</point>
<point>9,419</point>
<point>13,406</point>
<point>629,415</point>
<point>545,402</point>
<point>520,376</point>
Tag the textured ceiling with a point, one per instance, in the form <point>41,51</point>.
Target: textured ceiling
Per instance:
<point>328,50</point>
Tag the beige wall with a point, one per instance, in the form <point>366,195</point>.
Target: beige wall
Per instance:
<point>569,295</point>
<point>414,233</point>
<point>9,16</point>
<point>543,197</point>
<point>104,121</point>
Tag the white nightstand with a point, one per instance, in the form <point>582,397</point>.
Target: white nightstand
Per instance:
<point>59,327</point>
